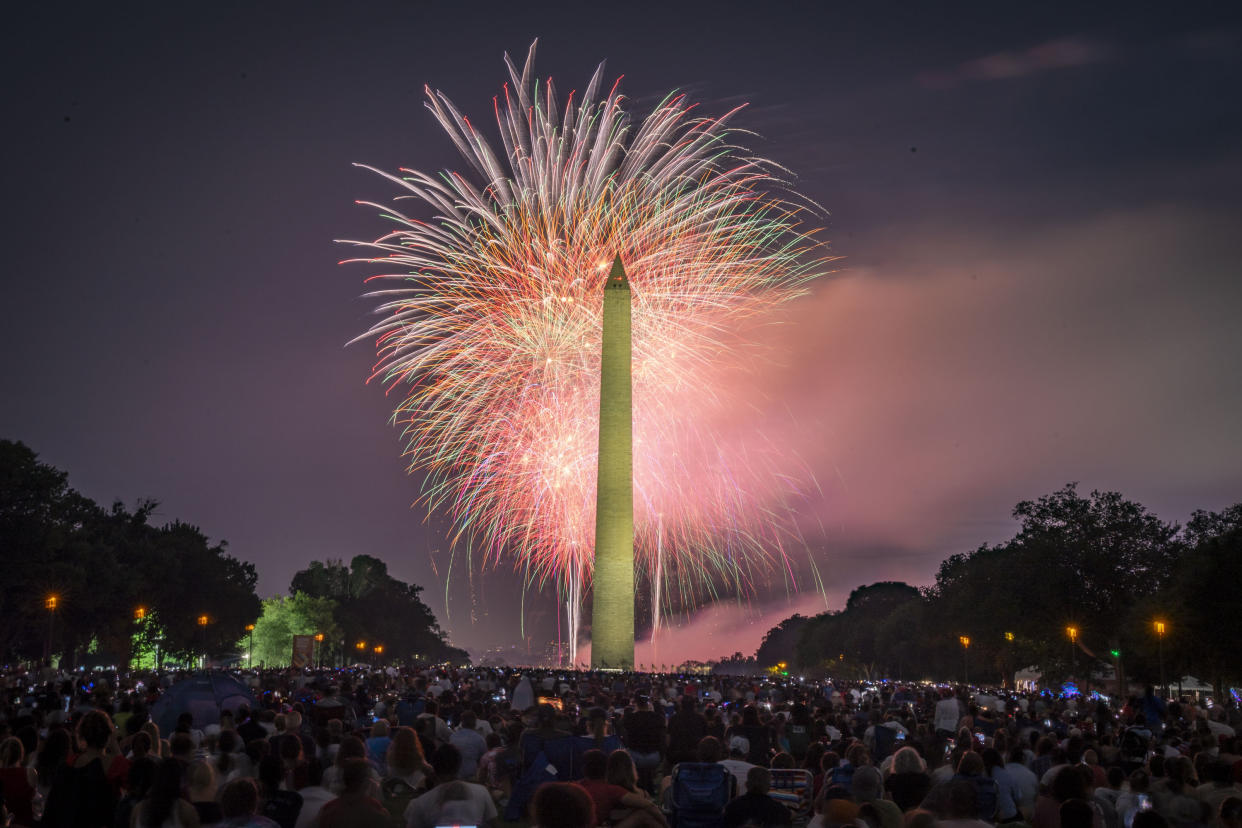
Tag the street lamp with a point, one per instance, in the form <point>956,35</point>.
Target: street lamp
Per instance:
<point>250,646</point>
<point>1012,661</point>
<point>140,613</point>
<point>379,650</point>
<point>1072,632</point>
<point>964,640</point>
<point>50,603</point>
<point>202,625</point>
<point>361,646</point>
<point>1160,628</point>
<point>319,641</point>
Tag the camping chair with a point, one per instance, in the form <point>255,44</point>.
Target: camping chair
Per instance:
<point>700,791</point>
<point>794,789</point>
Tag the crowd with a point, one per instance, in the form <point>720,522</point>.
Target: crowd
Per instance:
<point>438,746</point>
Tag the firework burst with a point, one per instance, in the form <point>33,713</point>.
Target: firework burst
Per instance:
<point>490,334</point>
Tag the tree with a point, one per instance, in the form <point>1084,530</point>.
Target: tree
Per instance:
<point>780,643</point>
<point>104,564</point>
<point>286,616</point>
<point>376,608</point>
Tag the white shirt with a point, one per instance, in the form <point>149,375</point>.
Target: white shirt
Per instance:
<point>433,808</point>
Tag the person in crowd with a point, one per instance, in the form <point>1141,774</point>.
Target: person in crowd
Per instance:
<point>451,801</point>
<point>314,795</point>
<point>868,788</point>
<point>239,802</point>
<point>357,806</point>
<point>164,806</point>
<point>201,790</point>
<point>908,782</point>
<point>19,783</point>
<point>755,807</point>
<point>470,744</point>
<point>277,804</point>
<point>82,793</point>
<point>562,805</point>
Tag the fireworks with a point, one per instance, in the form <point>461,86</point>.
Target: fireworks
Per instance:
<point>490,332</point>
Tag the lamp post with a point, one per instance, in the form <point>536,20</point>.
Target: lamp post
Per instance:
<point>50,603</point>
<point>1164,685</point>
<point>379,650</point>
<point>202,626</point>
<point>361,647</point>
<point>319,641</point>
<point>1012,661</point>
<point>250,646</point>
<point>1072,632</point>
<point>964,640</point>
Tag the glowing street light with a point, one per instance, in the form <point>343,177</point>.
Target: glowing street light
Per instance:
<point>250,646</point>
<point>50,603</point>
<point>964,640</point>
<point>1009,637</point>
<point>1160,628</point>
<point>202,621</point>
<point>1072,632</point>
<point>319,641</point>
<point>140,613</point>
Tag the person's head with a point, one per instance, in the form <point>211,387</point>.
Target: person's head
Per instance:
<point>239,798</point>
<point>962,801</point>
<point>594,764</point>
<point>95,730</point>
<point>201,781</point>
<point>971,764</point>
<point>351,748</point>
<point>758,780</point>
<point>783,761</point>
<point>1230,813</point>
<point>1116,777</point>
<point>380,729</point>
<point>446,761</point>
<point>562,805</point>
<point>1068,784</point>
<point>688,704</point>
<point>907,760</point>
<point>356,777</point>
<point>405,752</point>
<point>918,818</point>
<point>12,752</point>
<point>290,749</point>
<point>1076,813</point>
<point>867,784</point>
<point>621,770</point>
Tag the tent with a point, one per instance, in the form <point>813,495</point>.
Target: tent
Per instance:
<point>203,695</point>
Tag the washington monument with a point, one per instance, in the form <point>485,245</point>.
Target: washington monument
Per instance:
<point>612,614</point>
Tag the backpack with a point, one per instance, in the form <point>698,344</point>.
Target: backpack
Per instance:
<point>799,740</point>
<point>701,790</point>
<point>885,740</point>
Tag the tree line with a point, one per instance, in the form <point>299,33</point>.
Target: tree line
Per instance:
<point>1087,583</point>
<point>85,583</point>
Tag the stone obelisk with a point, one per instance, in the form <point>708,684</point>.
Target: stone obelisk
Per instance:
<point>612,613</point>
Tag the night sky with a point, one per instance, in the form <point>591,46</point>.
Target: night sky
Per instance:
<point>1036,206</point>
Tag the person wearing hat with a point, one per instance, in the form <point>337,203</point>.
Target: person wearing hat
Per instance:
<point>755,807</point>
<point>736,761</point>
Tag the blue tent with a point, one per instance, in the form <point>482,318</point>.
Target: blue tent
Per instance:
<point>202,695</point>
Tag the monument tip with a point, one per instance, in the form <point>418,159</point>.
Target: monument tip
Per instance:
<point>617,277</point>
